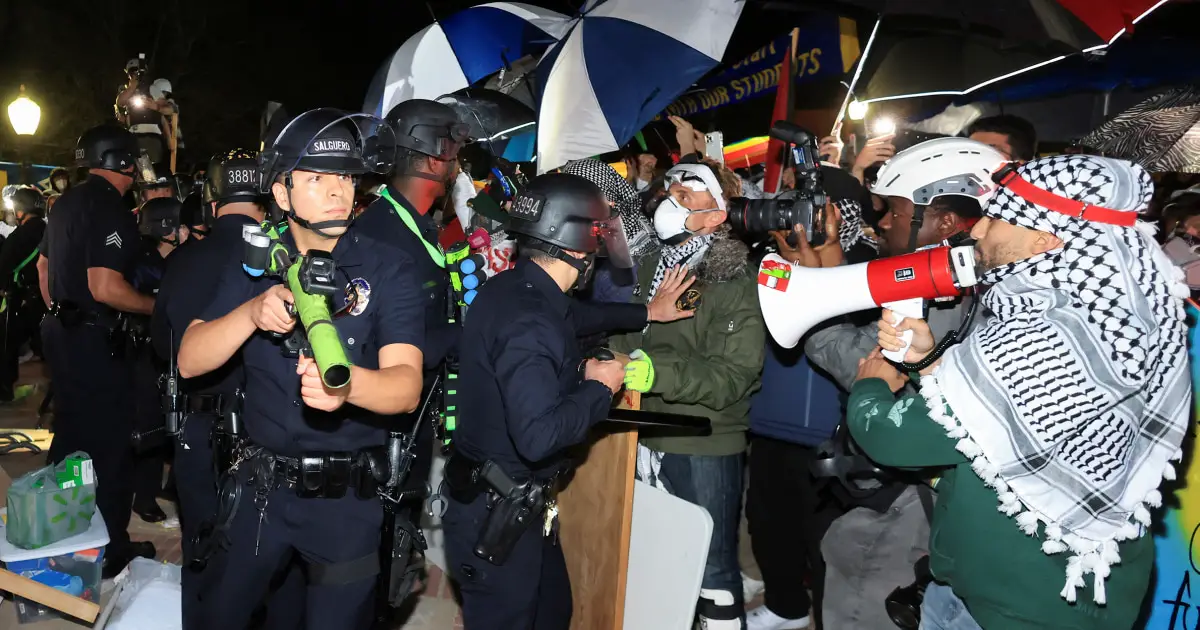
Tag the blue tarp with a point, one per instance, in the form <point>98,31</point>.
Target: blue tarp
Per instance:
<point>10,173</point>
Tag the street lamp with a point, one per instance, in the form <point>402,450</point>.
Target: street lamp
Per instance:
<point>24,114</point>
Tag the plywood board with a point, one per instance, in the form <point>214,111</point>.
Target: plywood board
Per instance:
<point>595,518</point>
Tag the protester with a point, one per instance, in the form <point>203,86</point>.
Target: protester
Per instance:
<point>796,412</point>
<point>1011,135</point>
<point>1067,407</point>
<point>872,548</point>
<point>707,365</point>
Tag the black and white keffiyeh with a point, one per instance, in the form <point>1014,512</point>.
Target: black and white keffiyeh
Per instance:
<point>689,252</point>
<point>1073,397</point>
<point>624,198</point>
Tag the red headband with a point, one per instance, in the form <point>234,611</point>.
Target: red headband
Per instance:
<point>1008,178</point>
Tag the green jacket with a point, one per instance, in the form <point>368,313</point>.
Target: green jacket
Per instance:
<point>710,364</point>
<point>1001,574</point>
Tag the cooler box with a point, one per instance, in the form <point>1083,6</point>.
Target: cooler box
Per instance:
<point>72,565</point>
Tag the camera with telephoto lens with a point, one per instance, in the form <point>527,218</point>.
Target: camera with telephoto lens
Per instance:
<point>904,604</point>
<point>804,206</point>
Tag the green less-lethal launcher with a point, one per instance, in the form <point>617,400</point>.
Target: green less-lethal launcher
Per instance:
<point>313,308</point>
<point>311,281</point>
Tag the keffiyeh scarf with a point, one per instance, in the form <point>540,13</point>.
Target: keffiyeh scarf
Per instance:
<point>850,233</point>
<point>1073,397</point>
<point>625,200</point>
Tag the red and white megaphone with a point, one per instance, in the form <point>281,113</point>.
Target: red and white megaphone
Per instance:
<point>794,298</point>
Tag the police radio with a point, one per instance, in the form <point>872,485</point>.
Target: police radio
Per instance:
<point>311,279</point>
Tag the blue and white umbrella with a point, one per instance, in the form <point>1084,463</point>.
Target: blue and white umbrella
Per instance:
<point>457,51</point>
<point>621,64</point>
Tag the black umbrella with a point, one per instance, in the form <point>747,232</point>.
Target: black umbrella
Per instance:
<point>1161,133</point>
<point>952,47</point>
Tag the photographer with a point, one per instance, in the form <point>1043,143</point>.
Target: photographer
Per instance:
<point>706,365</point>
<point>147,111</point>
<point>1056,422</point>
<point>871,549</point>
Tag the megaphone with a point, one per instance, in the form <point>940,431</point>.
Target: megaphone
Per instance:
<point>794,298</point>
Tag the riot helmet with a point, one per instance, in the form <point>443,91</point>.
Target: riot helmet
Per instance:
<point>232,177</point>
<point>429,128</point>
<point>106,147</point>
<point>159,219</point>
<point>325,140</point>
<point>28,200</point>
<point>196,214</point>
<point>559,213</point>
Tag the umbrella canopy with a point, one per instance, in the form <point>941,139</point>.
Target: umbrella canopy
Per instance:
<point>621,64</point>
<point>1161,133</point>
<point>504,125</point>
<point>461,49</point>
<point>955,47</point>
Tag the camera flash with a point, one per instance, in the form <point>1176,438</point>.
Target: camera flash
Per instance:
<point>857,110</point>
<point>884,126</point>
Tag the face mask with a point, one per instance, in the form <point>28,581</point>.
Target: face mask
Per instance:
<point>641,185</point>
<point>670,221</point>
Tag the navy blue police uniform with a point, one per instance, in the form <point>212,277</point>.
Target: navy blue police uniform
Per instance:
<point>382,220</point>
<point>523,402</point>
<point>151,445</point>
<point>338,538</point>
<point>187,287</point>
<point>23,307</point>
<point>93,407</point>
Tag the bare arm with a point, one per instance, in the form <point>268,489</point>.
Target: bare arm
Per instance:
<point>111,288</point>
<point>395,387</point>
<point>207,345</point>
<point>43,269</point>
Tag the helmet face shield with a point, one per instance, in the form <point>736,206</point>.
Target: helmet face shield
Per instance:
<point>613,243</point>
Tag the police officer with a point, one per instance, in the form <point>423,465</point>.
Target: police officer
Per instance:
<point>92,249</point>
<point>309,475</point>
<point>527,395</point>
<point>209,404</point>
<point>159,224</point>
<point>197,213</point>
<point>21,308</point>
<point>428,136</point>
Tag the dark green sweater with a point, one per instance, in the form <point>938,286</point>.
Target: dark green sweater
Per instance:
<point>1001,574</point>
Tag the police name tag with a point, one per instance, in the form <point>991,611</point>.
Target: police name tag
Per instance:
<point>335,145</point>
<point>527,206</point>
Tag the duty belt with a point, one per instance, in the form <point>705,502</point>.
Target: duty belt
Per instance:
<point>203,403</point>
<point>513,507</point>
<point>327,474</point>
<point>71,315</point>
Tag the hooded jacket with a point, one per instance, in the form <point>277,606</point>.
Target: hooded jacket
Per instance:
<point>707,365</point>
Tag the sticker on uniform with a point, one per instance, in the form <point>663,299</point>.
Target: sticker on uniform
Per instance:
<point>113,239</point>
<point>358,293</point>
<point>88,473</point>
<point>775,275</point>
<point>527,206</point>
<point>905,274</point>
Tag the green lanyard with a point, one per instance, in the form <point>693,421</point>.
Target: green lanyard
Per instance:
<point>435,252</point>
<point>20,267</point>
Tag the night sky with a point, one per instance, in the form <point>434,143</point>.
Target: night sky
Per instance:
<point>227,58</point>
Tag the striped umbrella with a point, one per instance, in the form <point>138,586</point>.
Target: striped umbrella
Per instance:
<point>623,62</point>
<point>455,52</point>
